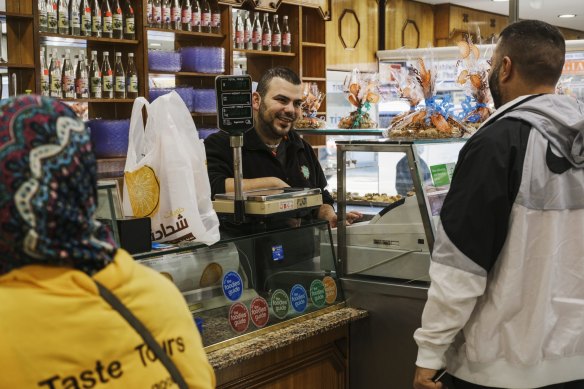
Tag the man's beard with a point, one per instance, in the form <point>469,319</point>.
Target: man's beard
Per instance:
<point>494,86</point>
<point>267,125</point>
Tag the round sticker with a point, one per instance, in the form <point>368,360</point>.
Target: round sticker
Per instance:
<point>298,298</point>
<point>330,287</point>
<point>238,317</point>
<point>317,293</point>
<point>259,312</point>
<point>232,286</point>
<point>280,303</point>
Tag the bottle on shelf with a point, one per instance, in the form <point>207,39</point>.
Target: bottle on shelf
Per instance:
<point>166,15</point>
<point>286,35</point>
<point>156,13</point>
<point>205,16</point>
<point>117,19</point>
<point>75,17</point>
<point>175,15</point>
<point>107,19</point>
<point>95,87</point>
<point>129,21</point>
<point>149,14</point>
<point>247,31</point>
<point>186,14</point>
<point>256,33</point>
<point>266,34</point>
<point>52,16</point>
<point>43,27</point>
<point>215,16</point>
<point>276,35</point>
<point>63,17</point>
<point>107,78</point>
<point>85,10</point>
<point>195,16</point>
<point>239,31</point>
<point>68,76</point>
<point>81,78</point>
<point>131,78</point>
<point>96,22</point>
<point>45,90</point>
<point>119,78</point>
<point>55,76</point>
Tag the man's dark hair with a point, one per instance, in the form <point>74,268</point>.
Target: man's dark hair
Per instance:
<point>538,48</point>
<point>278,71</point>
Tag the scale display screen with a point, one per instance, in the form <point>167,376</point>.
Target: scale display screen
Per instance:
<point>234,109</point>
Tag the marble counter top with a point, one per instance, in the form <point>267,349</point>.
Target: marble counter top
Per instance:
<point>231,355</point>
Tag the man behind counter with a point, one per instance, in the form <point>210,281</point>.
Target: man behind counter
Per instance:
<point>273,156</point>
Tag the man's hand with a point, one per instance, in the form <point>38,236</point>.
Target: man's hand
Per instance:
<point>327,212</point>
<point>423,379</point>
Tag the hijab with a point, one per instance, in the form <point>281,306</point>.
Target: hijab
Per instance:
<point>48,191</point>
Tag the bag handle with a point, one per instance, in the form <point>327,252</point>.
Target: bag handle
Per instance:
<point>116,304</point>
<point>136,135</point>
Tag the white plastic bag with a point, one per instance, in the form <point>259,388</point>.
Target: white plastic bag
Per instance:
<point>165,177</point>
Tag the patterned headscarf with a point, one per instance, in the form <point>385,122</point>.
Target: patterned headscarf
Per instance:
<point>48,189</point>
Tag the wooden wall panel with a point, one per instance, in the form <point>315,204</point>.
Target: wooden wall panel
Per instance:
<point>398,13</point>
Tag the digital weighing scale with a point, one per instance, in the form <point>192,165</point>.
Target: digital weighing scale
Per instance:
<point>235,117</point>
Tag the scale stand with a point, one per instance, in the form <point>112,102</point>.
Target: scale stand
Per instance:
<point>236,142</point>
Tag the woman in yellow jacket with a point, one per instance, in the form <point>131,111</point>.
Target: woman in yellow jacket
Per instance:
<point>57,329</point>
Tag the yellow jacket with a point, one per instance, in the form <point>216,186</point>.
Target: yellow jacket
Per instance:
<point>56,332</point>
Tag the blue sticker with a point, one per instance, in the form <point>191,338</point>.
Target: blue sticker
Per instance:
<point>232,286</point>
<point>277,252</point>
<point>298,298</point>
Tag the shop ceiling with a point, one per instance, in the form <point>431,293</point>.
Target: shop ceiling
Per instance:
<point>546,10</point>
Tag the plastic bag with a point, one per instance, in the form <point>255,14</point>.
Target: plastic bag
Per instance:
<point>165,177</point>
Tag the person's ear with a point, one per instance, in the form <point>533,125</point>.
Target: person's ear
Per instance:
<point>256,101</point>
<point>507,68</point>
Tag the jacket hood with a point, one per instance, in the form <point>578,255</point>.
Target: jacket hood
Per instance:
<point>560,119</point>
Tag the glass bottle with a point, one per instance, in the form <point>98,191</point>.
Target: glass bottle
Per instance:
<point>247,31</point>
<point>239,31</point>
<point>81,78</point>
<point>117,20</point>
<point>96,26</point>
<point>256,33</point>
<point>149,14</point>
<point>215,16</point>
<point>119,78</point>
<point>52,16</point>
<point>266,34</point>
<point>129,21</point>
<point>107,19</point>
<point>55,76</point>
<point>43,27</point>
<point>186,14</point>
<point>276,35</point>
<point>75,17</point>
<point>166,16</point>
<point>196,16</point>
<point>175,15</point>
<point>85,10</point>
<point>156,13</point>
<point>63,17</point>
<point>95,77</point>
<point>45,90</point>
<point>131,78</point>
<point>107,77</point>
<point>68,77</point>
<point>205,16</point>
<point>286,36</point>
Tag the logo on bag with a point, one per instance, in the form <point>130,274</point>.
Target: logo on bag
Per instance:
<point>143,190</point>
<point>164,231</point>
<point>305,171</point>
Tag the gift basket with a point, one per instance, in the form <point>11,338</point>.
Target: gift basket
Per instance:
<point>362,92</point>
<point>311,100</point>
<point>473,77</point>
<point>434,119</point>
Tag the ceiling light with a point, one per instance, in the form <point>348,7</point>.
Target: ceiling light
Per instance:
<point>567,16</point>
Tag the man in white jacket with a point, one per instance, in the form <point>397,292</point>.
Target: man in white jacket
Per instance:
<point>505,307</point>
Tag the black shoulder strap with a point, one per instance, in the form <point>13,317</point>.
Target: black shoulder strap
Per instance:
<point>116,304</point>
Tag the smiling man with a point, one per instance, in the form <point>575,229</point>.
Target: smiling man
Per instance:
<point>273,155</point>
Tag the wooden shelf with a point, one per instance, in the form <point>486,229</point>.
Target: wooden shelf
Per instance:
<point>185,74</point>
<point>251,53</point>
<point>313,44</point>
<point>90,38</point>
<point>97,100</point>
<point>17,15</point>
<point>16,65</point>
<point>313,78</point>
<point>180,33</point>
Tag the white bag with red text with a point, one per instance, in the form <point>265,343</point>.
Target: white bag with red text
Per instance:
<point>165,177</point>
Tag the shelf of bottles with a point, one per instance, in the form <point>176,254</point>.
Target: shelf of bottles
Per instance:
<point>185,17</point>
<point>262,36</point>
<point>73,24</point>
